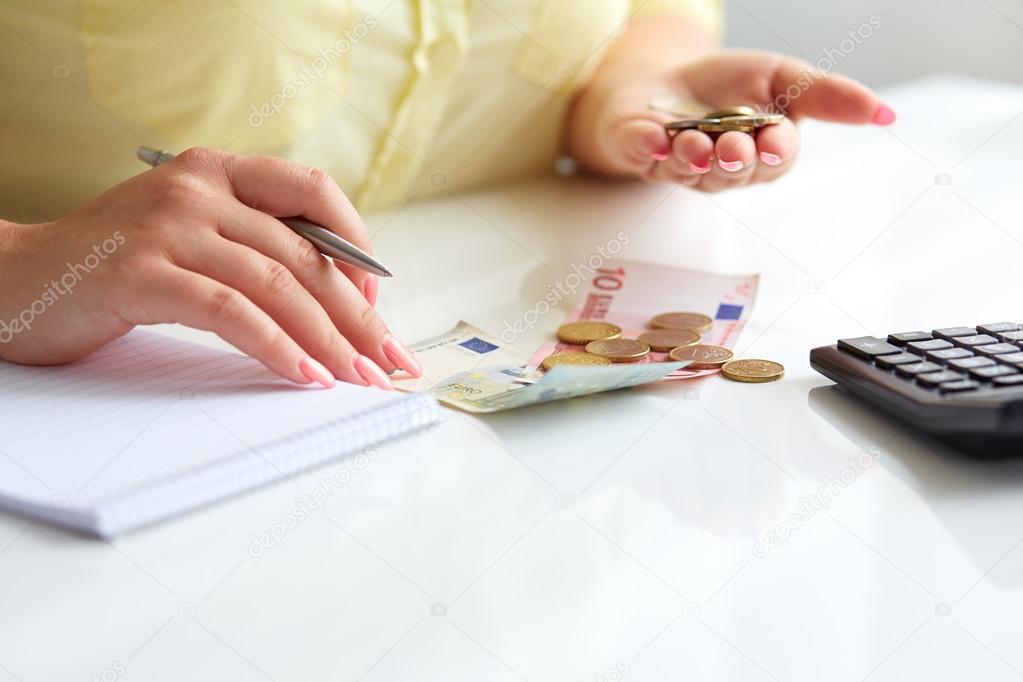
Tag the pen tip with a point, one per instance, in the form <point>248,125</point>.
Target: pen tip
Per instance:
<point>148,155</point>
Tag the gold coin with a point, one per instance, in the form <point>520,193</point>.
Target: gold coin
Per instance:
<point>753,371</point>
<point>732,111</point>
<point>702,356</point>
<point>663,340</point>
<point>573,359</point>
<point>757,120</point>
<point>619,350</point>
<point>725,128</point>
<point>584,331</point>
<point>691,321</point>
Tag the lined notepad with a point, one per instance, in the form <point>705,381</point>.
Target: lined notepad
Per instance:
<point>150,427</point>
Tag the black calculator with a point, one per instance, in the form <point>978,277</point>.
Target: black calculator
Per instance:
<point>963,385</point>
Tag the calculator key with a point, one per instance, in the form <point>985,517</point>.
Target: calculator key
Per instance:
<point>906,337</point>
<point>970,363</point>
<point>958,386</point>
<point>922,347</point>
<point>867,347</point>
<point>943,356</point>
<point>992,371</point>
<point>975,340</point>
<point>953,332</point>
<point>1008,380</point>
<point>910,371</point>
<point>1012,337</point>
<point>890,361</point>
<point>1011,358</point>
<point>997,349</point>
<point>935,378</point>
<point>996,328</point>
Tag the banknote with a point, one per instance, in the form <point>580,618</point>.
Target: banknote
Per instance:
<point>470,369</point>
<point>460,349</point>
<point>629,293</point>
<point>496,389</point>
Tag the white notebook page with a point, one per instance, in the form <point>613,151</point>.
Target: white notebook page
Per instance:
<point>150,416</point>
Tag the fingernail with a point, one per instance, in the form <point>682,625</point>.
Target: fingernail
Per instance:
<point>700,170</point>
<point>770,159</point>
<point>884,115</point>
<point>371,288</point>
<point>730,166</point>
<point>400,356</point>
<point>371,373</point>
<point>661,154</point>
<point>314,371</point>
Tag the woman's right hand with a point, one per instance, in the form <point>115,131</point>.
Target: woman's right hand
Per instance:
<point>195,241</point>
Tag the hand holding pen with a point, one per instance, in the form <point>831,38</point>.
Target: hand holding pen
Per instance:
<point>194,241</point>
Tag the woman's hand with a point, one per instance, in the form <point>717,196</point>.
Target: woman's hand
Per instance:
<point>194,241</point>
<point>612,129</point>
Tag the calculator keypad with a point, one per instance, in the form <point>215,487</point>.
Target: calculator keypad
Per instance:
<point>950,359</point>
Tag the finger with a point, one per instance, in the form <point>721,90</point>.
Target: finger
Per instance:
<point>777,146</point>
<point>350,311</point>
<point>273,288</point>
<point>173,294</point>
<point>671,171</point>
<point>694,151</point>
<point>635,143</point>
<point>828,96</point>
<point>736,162</point>
<point>282,188</point>
<point>690,157</point>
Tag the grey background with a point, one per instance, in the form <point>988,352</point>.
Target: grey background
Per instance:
<point>982,38</point>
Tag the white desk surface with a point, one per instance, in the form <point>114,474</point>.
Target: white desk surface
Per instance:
<point>614,537</point>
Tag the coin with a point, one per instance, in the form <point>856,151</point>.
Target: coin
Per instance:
<point>758,120</point>
<point>702,356</point>
<point>741,110</point>
<point>584,331</point>
<point>573,359</point>
<point>725,128</point>
<point>663,340</point>
<point>693,321</point>
<point>753,371</point>
<point>619,350</point>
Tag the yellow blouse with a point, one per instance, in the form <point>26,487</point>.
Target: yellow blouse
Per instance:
<point>395,98</point>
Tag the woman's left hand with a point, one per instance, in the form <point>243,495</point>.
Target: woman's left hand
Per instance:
<point>613,131</point>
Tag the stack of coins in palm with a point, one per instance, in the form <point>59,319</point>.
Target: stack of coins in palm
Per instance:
<point>741,118</point>
<point>676,333</point>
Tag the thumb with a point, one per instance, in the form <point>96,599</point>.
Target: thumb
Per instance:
<point>636,143</point>
<point>830,96</point>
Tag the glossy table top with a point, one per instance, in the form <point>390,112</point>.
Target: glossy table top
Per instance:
<point>723,531</point>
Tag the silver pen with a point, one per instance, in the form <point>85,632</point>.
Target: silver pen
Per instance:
<point>328,243</point>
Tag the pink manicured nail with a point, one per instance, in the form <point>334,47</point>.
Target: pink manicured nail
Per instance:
<point>770,159</point>
<point>884,115</point>
<point>400,356</point>
<point>699,170</point>
<point>314,371</point>
<point>371,373</point>
<point>659,155</point>
<point>371,288</point>
<point>730,166</point>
